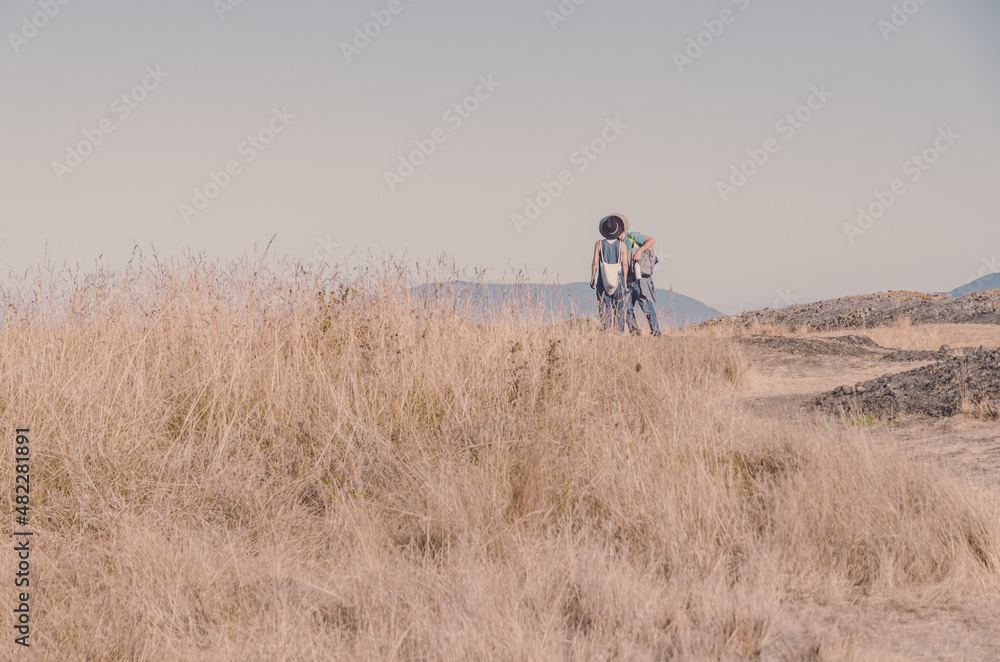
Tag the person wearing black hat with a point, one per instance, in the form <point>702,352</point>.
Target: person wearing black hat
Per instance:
<point>609,273</point>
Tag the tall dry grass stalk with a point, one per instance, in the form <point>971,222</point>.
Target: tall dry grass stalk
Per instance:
<point>232,468</point>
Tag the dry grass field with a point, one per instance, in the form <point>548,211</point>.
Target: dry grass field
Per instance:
<point>226,468</point>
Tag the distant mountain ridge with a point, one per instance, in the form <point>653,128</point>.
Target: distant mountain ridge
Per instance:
<point>984,284</point>
<point>563,302</point>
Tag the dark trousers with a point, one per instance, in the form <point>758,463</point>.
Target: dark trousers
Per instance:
<point>634,295</point>
<point>612,309</point>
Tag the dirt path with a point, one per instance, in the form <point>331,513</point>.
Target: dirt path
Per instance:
<point>787,381</point>
<point>792,373</point>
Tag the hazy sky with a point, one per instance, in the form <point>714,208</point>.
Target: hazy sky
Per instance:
<point>115,111</point>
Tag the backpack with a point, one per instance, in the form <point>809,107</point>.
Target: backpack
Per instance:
<point>647,261</point>
<point>612,273</point>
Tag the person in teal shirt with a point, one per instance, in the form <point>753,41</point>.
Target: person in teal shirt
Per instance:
<point>639,289</point>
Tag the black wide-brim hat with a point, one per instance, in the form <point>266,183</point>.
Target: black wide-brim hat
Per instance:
<point>611,227</point>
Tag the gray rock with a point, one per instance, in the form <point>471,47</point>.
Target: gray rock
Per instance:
<point>875,310</point>
<point>938,390</point>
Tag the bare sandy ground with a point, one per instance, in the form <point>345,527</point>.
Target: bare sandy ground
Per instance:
<point>964,446</point>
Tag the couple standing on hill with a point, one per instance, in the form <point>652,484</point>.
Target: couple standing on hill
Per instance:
<point>623,274</point>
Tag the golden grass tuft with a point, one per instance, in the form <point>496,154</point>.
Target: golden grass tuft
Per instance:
<point>228,467</point>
